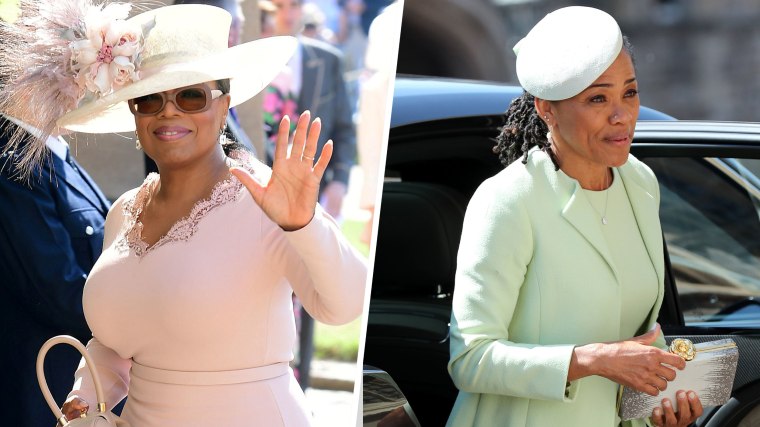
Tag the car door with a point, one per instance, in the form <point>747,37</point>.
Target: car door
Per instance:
<point>710,215</point>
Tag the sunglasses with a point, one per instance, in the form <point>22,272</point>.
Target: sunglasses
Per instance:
<point>193,99</point>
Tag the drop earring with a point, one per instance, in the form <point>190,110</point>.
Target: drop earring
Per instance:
<point>222,136</point>
<point>138,146</point>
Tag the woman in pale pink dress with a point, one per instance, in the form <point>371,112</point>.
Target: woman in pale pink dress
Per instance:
<point>190,302</point>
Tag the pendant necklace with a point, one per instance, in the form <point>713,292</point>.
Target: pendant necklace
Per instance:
<point>606,198</point>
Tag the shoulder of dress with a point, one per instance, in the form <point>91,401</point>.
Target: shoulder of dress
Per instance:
<point>514,177</point>
<point>507,190</point>
<point>637,164</point>
<point>519,187</point>
<point>640,171</point>
<point>124,198</point>
<point>131,201</point>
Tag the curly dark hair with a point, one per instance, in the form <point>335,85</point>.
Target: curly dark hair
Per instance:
<point>523,129</point>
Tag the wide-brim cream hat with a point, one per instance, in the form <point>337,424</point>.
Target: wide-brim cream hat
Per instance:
<point>184,45</point>
<point>567,51</point>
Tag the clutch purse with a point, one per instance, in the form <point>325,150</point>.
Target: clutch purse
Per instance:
<point>710,370</point>
<point>103,417</point>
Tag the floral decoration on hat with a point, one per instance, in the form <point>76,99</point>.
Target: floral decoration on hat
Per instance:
<point>109,55</point>
<point>59,54</point>
<point>73,64</point>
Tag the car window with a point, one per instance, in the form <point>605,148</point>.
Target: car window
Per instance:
<point>710,214</point>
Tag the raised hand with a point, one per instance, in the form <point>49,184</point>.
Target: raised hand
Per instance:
<point>290,197</point>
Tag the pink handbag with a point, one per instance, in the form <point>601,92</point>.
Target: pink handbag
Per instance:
<point>103,417</point>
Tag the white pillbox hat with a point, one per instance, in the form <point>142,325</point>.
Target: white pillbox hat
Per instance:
<point>567,51</point>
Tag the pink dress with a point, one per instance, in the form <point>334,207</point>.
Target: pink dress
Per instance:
<point>198,329</point>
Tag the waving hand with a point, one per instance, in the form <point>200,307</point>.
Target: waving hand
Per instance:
<point>290,197</point>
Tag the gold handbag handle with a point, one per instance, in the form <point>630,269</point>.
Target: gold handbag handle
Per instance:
<point>67,339</point>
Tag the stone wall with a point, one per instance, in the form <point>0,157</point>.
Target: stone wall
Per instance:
<point>696,59</point>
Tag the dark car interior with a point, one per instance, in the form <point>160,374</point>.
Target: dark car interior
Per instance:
<point>424,200</point>
<point>415,263</point>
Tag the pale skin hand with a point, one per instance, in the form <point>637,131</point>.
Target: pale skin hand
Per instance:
<point>636,364</point>
<point>290,197</point>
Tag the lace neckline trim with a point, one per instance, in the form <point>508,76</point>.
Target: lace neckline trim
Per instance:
<point>222,193</point>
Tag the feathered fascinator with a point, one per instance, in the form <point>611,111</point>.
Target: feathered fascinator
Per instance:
<point>73,64</point>
<point>58,55</point>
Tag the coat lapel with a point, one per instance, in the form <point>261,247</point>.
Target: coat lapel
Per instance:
<point>576,209</point>
<point>578,212</point>
<point>312,79</point>
<point>646,210</point>
<point>80,182</point>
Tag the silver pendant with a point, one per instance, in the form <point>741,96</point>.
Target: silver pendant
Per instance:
<point>604,220</point>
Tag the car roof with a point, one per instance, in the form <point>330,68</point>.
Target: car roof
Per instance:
<point>419,99</point>
<point>688,130</point>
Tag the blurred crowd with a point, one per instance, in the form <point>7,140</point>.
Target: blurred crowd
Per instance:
<point>343,73</point>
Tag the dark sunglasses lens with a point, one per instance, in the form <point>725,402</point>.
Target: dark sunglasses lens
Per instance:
<point>149,104</point>
<point>191,99</point>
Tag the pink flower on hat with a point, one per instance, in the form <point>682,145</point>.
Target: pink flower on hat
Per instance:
<point>106,59</point>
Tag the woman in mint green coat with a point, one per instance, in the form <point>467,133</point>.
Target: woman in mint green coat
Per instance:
<point>560,268</point>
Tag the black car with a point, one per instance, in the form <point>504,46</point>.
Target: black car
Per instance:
<point>440,150</point>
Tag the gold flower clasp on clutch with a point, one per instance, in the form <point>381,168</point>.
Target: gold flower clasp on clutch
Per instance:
<point>684,348</point>
<point>710,373</point>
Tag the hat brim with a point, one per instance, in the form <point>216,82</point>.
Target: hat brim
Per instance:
<point>249,66</point>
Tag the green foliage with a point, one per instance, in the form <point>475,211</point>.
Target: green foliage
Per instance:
<point>337,342</point>
<point>352,229</point>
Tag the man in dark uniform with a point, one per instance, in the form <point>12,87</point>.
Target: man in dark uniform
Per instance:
<point>51,234</point>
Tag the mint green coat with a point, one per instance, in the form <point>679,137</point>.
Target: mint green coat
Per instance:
<point>534,279</point>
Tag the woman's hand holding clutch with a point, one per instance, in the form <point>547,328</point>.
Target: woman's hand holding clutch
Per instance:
<point>632,362</point>
<point>689,409</point>
<point>290,197</point>
<point>636,364</point>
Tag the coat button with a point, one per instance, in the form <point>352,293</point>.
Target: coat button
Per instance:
<point>89,230</point>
